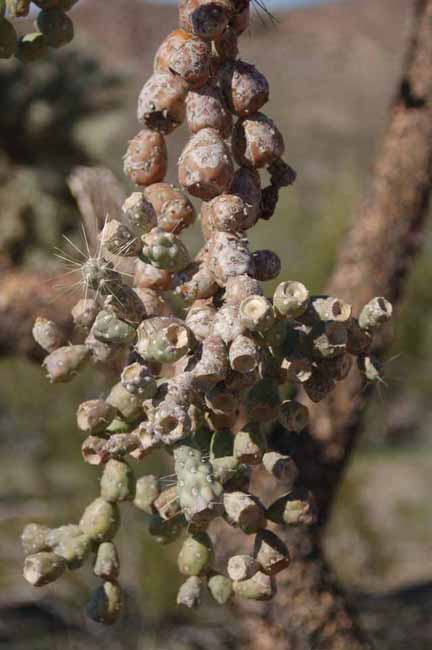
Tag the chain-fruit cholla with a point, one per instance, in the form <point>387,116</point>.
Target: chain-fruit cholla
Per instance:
<point>203,383</point>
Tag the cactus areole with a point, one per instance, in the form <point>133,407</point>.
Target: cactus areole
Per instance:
<point>203,383</point>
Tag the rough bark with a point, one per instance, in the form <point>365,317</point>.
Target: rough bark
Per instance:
<point>309,612</point>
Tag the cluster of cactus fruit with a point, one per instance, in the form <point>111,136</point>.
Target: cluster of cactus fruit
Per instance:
<point>54,28</point>
<point>202,382</point>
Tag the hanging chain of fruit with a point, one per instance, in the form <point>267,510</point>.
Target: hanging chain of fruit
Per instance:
<point>54,28</point>
<point>203,384</point>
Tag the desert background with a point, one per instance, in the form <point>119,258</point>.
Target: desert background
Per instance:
<point>333,69</point>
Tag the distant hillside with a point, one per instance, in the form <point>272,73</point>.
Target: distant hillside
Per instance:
<point>332,69</point>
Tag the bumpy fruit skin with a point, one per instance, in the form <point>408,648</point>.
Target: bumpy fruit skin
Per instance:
<point>295,508</point>
<point>258,587</point>
<point>105,603</point>
<point>174,211</point>
<point>107,328</point>
<point>220,588</point>
<point>62,364</point>
<point>186,56</point>
<point>205,18</point>
<point>117,482</point>
<point>100,520</point>
<point>256,141</point>
<point>107,563</point>
<point>189,593</point>
<point>291,299</point>
<point>17,8</point>
<point>205,166</point>
<point>375,313</point>
<point>164,250</point>
<point>161,104</point>
<point>47,334</point>
<point>94,416</point>
<point>56,26</point>
<point>34,539</point>
<point>42,568</point>
<point>195,555</point>
<point>205,108</point>
<point>139,213</point>
<point>245,89</point>
<point>145,161</point>
<point>70,543</point>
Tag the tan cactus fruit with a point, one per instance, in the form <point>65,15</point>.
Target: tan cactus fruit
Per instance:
<point>186,56</point>
<point>205,18</point>
<point>245,89</point>
<point>256,141</point>
<point>145,161</point>
<point>205,165</point>
<point>161,103</point>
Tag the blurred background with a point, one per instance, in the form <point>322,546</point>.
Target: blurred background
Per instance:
<point>333,68</point>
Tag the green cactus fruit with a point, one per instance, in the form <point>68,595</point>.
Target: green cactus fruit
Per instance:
<point>293,415</point>
<point>245,511</point>
<point>220,588</point>
<point>256,313</point>
<point>108,328</point>
<point>291,299</point>
<point>42,568</point>
<point>70,543</point>
<point>164,250</point>
<point>263,401</point>
<point>31,47</point>
<point>8,39</point>
<point>250,445</point>
<point>17,8</point>
<point>56,26</point>
<point>222,458</point>
<point>242,567</point>
<point>100,520</point>
<point>165,531</point>
<point>196,555</point>
<point>118,426</point>
<point>47,334</point>
<point>64,363</point>
<point>167,503</point>
<point>34,539</point>
<point>259,587</point>
<point>189,593</point>
<point>146,492</point>
<point>107,563</point>
<point>94,416</point>
<point>163,339</point>
<point>282,467</point>
<point>139,213</point>
<point>270,552</point>
<point>297,507</point>
<point>117,482</point>
<point>138,380</point>
<point>129,406</point>
<point>105,603</point>
<point>375,313</point>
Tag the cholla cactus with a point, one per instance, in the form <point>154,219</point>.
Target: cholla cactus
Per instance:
<point>54,28</point>
<point>203,384</point>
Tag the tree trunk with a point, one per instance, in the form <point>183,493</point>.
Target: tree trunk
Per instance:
<point>309,612</point>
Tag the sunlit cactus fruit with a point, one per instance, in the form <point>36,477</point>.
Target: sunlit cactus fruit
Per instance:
<point>205,108</point>
<point>64,363</point>
<point>256,141</point>
<point>47,334</point>
<point>107,563</point>
<point>245,89</point>
<point>270,552</point>
<point>42,568</point>
<point>34,539</point>
<point>164,250</point>
<point>259,587</point>
<point>18,8</point>
<point>375,313</point>
<point>190,592</point>
<point>297,507</point>
<point>117,482</point>
<point>100,520</point>
<point>205,365</point>
<point>205,166</point>
<point>174,210</point>
<point>195,555</point>
<point>145,161</point>
<point>220,588</point>
<point>161,104</point>
<point>105,603</point>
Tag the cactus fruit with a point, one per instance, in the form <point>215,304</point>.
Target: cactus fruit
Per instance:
<point>8,39</point>
<point>200,376</point>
